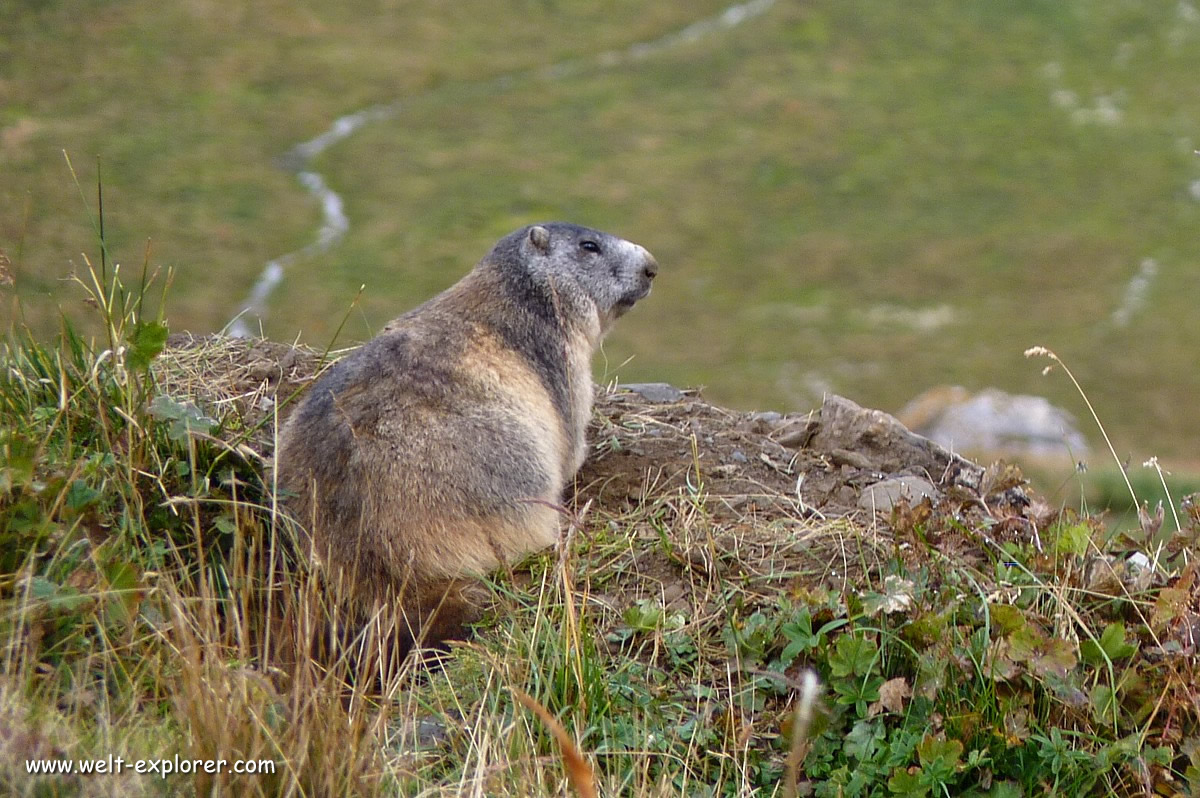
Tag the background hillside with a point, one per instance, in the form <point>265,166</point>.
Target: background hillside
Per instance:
<point>869,198</point>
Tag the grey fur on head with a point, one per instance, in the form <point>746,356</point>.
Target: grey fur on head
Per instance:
<point>581,265</point>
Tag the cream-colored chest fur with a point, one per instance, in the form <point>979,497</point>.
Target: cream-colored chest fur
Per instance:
<point>580,346</point>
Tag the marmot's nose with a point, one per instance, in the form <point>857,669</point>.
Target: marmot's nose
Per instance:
<point>650,269</point>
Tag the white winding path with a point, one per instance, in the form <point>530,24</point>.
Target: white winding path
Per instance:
<point>335,223</point>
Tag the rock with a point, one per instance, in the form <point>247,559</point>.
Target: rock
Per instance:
<point>994,422</point>
<point>768,418</point>
<point>796,432</point>
<point>1140,572</point>
<point>1107,575</point>
<point>883,495</point>
<point>762,423</point>
<point>846,457</point>
<point>654,392</point>
<point>871,439</point>
<point>671,593</point>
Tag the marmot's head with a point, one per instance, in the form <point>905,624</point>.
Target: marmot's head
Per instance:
<point>582,265</point>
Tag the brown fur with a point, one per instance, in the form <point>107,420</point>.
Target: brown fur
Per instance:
<point>438,450</point>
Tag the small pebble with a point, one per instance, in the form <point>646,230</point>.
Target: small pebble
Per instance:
<point>654,392</point>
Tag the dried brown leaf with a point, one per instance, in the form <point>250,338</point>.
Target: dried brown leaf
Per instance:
<point>579,772</point>
<point>1150,526</point>
<point>892,695</point>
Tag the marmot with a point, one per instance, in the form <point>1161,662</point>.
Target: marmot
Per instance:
<point>440,449</point>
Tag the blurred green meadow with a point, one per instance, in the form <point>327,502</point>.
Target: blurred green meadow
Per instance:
<point>870,198</point>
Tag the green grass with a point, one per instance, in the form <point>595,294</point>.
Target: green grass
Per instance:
<point>811,181</point>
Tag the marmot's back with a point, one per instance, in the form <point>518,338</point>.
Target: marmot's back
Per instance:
<point>439,449</point>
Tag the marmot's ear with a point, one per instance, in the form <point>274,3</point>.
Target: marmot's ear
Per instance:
<point>540,238</point>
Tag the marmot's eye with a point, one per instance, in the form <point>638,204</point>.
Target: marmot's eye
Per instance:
<point>589,246</point>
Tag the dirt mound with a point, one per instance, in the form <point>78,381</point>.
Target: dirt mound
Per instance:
<point>687,501</point>
<point>762,465</point>
<point>645,439</point>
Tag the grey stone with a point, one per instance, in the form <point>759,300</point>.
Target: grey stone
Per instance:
<point>796,433</point>
<point>873,440</point>
<point>882,496</point>
<point>994,422</point>
<point>766,416</point>
<point>654,392</point>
